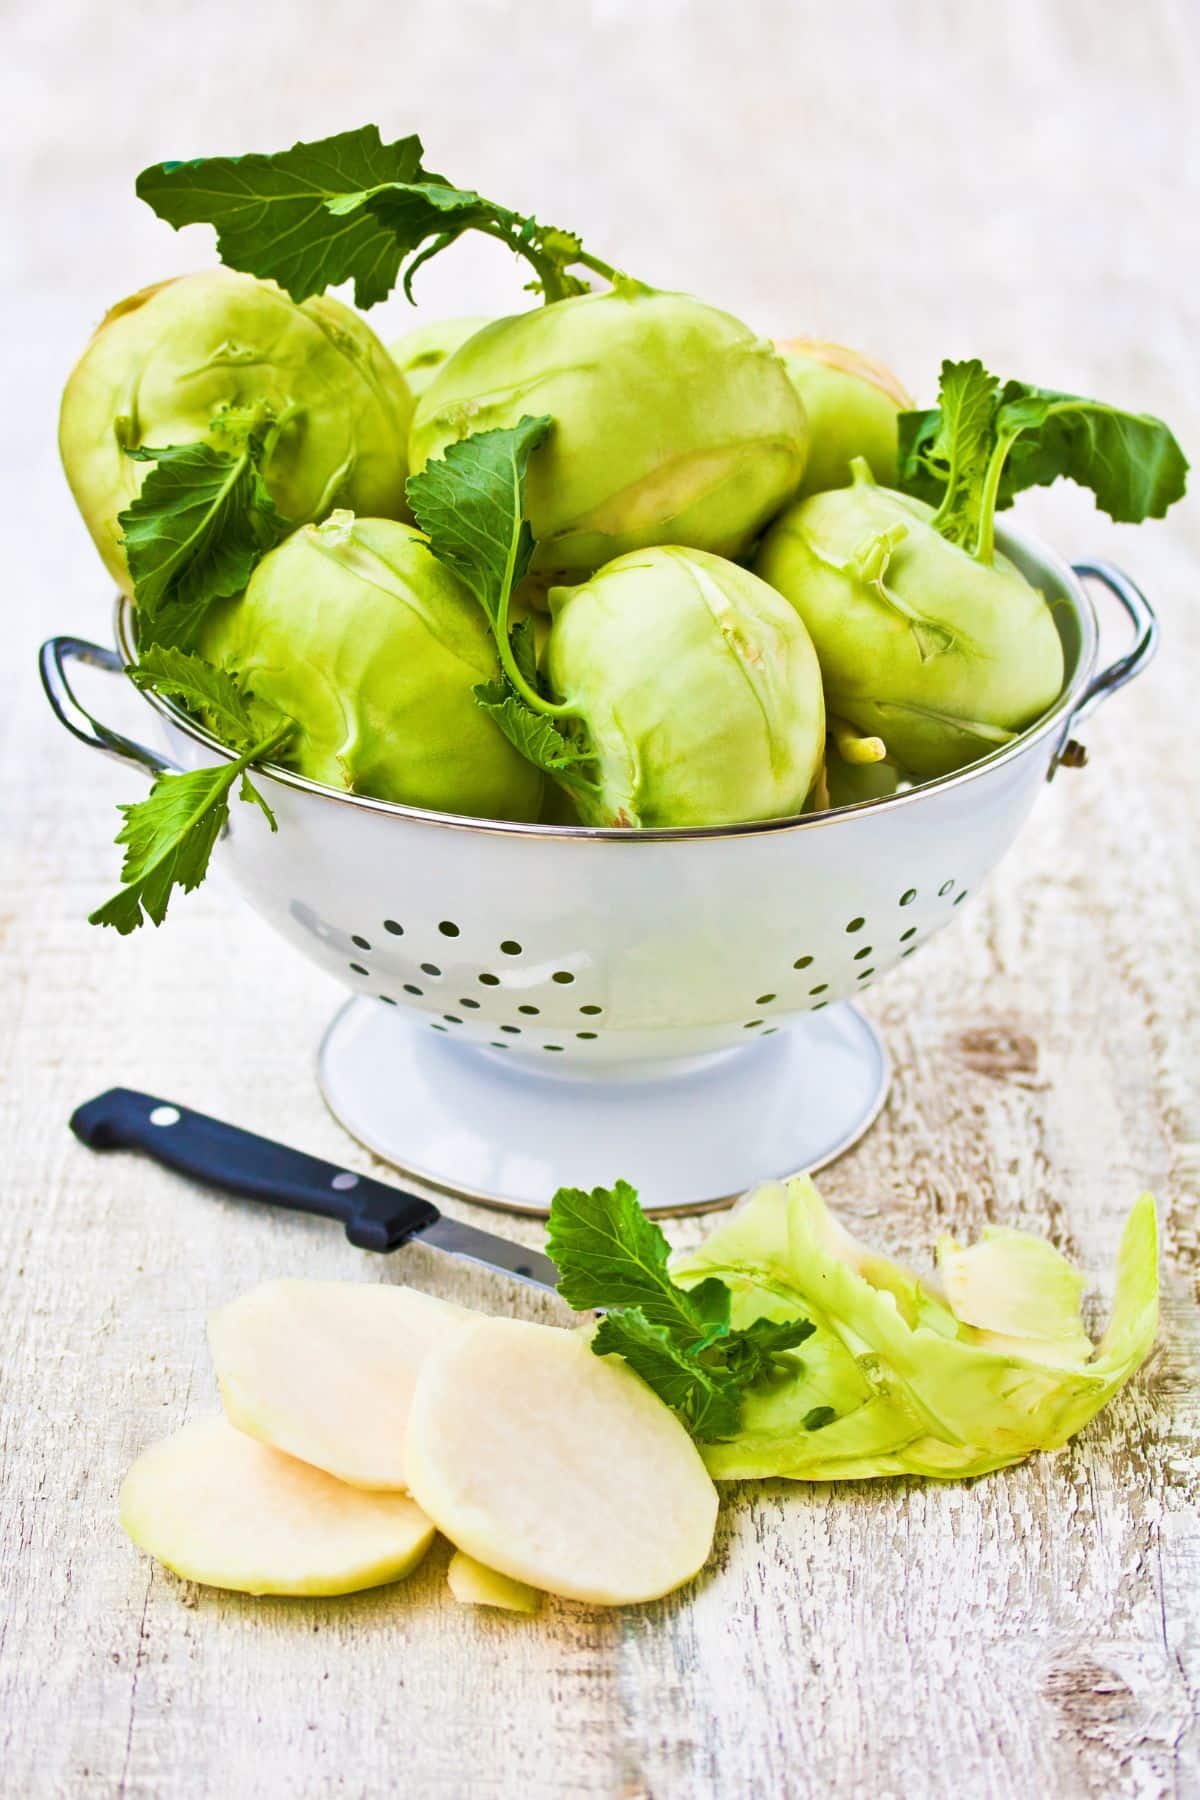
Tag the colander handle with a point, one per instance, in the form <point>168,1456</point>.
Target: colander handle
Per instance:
<point>1145,642</point>
<point>53,659</point>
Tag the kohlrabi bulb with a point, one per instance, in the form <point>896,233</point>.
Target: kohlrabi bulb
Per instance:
<point>673,424</point>
<point>942,656</point>
<point>698,688</point>
<point>355,630</point>
<point>852,403</point>
<point>420,353</point>
<point>165,365</point>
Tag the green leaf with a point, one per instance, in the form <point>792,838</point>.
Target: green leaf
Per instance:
<point>610,1254</point>
<point>349,208</point>
<point>524,649</point>
<point>1132,462</point>
<point>757,1353</point>
<point>470,503</point>
<point>194,533</point>
<point>944,453</point>
<point>169,836</point>
<point>708,1400</point>
<point>973,453</point>
<point>273,216</point>
<point>211,693</point>
<point>537,737</point>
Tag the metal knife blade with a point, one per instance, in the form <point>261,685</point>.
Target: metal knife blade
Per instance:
<point>376,1215</point>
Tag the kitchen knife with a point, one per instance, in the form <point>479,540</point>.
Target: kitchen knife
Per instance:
<point>375,1215</point>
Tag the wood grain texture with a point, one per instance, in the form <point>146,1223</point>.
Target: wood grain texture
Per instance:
<point>922,180</point>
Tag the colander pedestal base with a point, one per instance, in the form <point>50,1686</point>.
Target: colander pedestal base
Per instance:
<point>463,1122</point>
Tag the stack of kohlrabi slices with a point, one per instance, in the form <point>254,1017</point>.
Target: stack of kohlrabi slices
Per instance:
<point>616,560</point>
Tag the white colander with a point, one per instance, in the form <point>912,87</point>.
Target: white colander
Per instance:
<point>537,1005</point>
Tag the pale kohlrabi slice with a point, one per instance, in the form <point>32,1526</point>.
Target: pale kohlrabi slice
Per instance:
<point>326,1369</point>
<point>220,1508</point>
<point>557,1467</point>
<point>474,1584</point>
<point>895,1380</point>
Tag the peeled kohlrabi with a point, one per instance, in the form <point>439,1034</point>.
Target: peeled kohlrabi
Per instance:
<point>354,629</point>
<point>673,424</point>
<point>852,404</point>
<point>901,1376</point>
<point>203,358</point>
<point>698,689</point>
<point>420,353</point>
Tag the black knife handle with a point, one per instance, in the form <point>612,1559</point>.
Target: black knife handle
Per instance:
<point>376,1216</point>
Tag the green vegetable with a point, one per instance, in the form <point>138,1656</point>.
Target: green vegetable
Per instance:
<point>927,636</point>
<point>420,353</point>
<point>610,368</point>
<point>852,404</point>
<point>307,393</point>
<point>697,687</point>
<point>169,836</point>
<point>943,657</point>
<point>984,443</point>
<point>195,532</point>
<point>349,208</point>
<point>357,631</point>
<point>919,1381</point>
<point>681,1343</point>
<point>673,424</point>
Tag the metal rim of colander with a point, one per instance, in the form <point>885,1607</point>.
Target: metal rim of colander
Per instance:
<point>1057,716</point>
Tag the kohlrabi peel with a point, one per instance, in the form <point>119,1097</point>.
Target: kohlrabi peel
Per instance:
<point>943,657</point>
<point>354,630</point>
<point>673,424</point>
<point>895,1380</point>
<point>852,404</point>
<point>196,359</point>
<point>697,686</point>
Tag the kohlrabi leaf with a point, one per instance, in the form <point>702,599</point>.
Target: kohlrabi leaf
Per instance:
<point>209,692</point>
<point>169,836</point>
<point>537,737</point>
<point>194,533</point>
<point>914,1389</point>
<point>273,215</point>
<point>707,1400</point>
<point>964,441</point>
<point>610,1254</point>
<point>984,443</point>
<point>1132,462</point>
<point>612,1257</point>
<point>470,503</point>
<point>350,208</point>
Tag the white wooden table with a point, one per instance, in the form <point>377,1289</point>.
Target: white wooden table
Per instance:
<point>921,180</point>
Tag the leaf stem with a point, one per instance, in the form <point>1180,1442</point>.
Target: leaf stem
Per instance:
<point>985,543</point>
